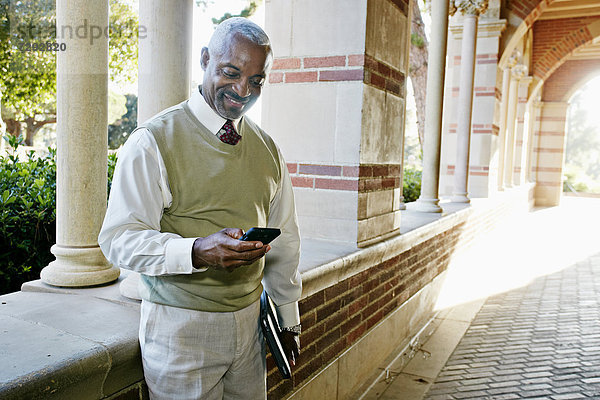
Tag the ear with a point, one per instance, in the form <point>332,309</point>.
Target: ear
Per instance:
<point>204,58</point>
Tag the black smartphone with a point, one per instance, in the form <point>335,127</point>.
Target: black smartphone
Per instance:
<point>264,235</point>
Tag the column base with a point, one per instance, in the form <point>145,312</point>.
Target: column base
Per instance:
<point>427,205</point>
<point>78,267</point>
<point>460,198</point>
<point>130,286</point>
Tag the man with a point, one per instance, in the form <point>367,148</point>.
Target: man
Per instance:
<point>188,182</point>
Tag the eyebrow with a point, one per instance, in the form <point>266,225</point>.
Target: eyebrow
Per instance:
<point>228,65</point>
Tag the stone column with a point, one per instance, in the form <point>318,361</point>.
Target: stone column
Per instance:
<point>164,70</point>
<point>511,119</point>
<point>502,126</point>
<point>521,139</point>
<point>436,73</point>
<point>502,123</point>
<point>550,153</point>
<point>533,142</point>
<point>164,55</point>
<point>471,13</point>
<point>82,113</point>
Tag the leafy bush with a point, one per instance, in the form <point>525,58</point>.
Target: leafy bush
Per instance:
<point>28,214</point>
<point>411,189</point>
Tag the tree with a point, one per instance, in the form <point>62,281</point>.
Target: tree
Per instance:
<point>419,52</point>
<point>119,131</point>
<point>28,77</point>
<point>248,11</point>
<point>28,84</point>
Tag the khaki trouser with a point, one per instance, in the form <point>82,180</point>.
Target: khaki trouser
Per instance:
<point>190,354</point>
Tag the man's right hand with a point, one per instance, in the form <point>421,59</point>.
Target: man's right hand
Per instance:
<point>223,250</point>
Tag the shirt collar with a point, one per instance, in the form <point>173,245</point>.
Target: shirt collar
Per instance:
<point>205,114</point>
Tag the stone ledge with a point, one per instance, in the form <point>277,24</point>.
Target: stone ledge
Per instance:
<point>66,346</point>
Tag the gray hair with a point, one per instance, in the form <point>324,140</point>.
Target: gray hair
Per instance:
<point>240,26</point>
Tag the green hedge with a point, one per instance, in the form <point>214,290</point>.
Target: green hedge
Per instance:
<point>27,214</point>
<point>411,189</point>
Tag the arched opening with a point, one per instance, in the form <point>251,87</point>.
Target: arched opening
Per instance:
<point>582,154</point>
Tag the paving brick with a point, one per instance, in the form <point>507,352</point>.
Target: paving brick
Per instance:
<point>568,396</point>
<point>567,389</point>
<point>540,341</point>
<point>508,396</point>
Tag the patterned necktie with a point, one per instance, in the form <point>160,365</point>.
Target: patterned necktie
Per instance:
<point>228,135</point>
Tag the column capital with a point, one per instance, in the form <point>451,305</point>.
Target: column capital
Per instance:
<point>469,7</point>
<point>513,59</point>
<point>519,71</point>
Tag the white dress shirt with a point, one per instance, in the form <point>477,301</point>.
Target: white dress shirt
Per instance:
<point>130,236</point>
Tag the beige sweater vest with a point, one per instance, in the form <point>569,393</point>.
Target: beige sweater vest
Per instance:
<point>214,186</point>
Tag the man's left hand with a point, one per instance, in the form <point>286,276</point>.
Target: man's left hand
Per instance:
<point>291,345</point>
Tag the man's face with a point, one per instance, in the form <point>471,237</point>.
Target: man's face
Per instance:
<point>233,80</point>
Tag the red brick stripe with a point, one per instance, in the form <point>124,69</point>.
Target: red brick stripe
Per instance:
<point>315,169</point>
<point>338,69</point>
<point>356,60</point>
<point>297,77</point>
<point>550,133</point>
<point>552,184</point>
<point>292,168</point>
<point>364,178</point>
<point>317,69</point>
<point>489,58</point>
<point>316,62</point>
<point>341,75</point>
<point>551,119</point>
<point>547,169</point>
<point>547,150</point>
<point>383,76</point>
<point>474,170</point>
<point>321,176</point>
<point>286,63</point>
<point>336,184</point>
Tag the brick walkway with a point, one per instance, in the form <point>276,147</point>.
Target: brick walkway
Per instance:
<point>541,341</point>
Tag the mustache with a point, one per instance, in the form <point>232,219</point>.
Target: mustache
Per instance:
<point>235,97</point>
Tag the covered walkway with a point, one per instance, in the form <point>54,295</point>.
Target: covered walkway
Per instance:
<point>527,327</point>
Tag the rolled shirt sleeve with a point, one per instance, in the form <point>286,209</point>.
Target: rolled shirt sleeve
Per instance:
<point>281,279</point>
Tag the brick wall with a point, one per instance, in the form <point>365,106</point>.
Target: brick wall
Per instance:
<point>333,68</point>
<point>568,78</point>
<point>339,68</point>
<point>335,318</point>
<point>522,8</point>
<point>554,40</point>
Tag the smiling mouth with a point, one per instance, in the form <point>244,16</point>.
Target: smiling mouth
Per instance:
<point>239,103</point>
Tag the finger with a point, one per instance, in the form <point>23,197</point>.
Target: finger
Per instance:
<point>239,245</point>
<point>235,233</point>
<point>248,255</point>
<point>237,260</point>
